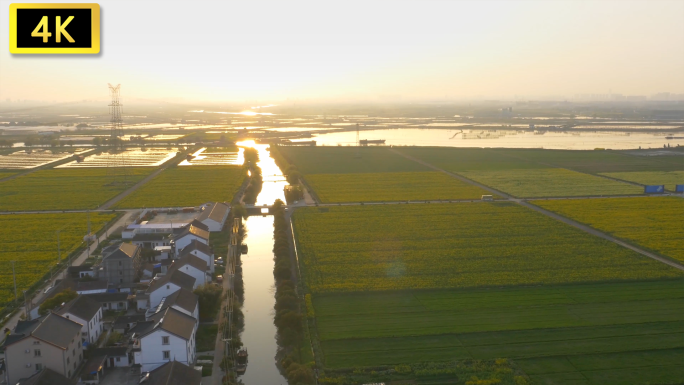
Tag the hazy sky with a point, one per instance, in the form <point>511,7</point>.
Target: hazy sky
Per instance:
<point>270,51</point>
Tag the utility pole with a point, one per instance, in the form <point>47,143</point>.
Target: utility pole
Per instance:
<point>59,251</point>
<point>15,282</point>
<point>26,307</point>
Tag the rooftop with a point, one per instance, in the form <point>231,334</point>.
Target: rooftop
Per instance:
<point>194,230</point>
<point>91,285</point>
<point>82,307</point>
<point>47,377</point>
<point>175,322</point>
<point>183,298</point>
<point>196,245</point>
<point>107,297</point>
<point>192,260</point>
<point>174,373</point>
<point>216,212</point>
<point>125,250</point>
<point>178,278</point>
<point>53,329</point>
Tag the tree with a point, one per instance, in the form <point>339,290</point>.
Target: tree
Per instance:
<point>209,300</point>
<point>60,298</point>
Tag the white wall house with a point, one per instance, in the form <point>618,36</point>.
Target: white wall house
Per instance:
<point>194,267</point>
<point>200,250</point>
<point>167,285</point>
<point>214,216</point>
<point>87,312</point>
<point>170,337</point>
<point>190,233</point>
<point>182,300</point>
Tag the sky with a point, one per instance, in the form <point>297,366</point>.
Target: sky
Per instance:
<point>362,51</point>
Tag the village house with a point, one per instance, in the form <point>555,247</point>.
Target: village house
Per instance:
<point>167,336</point>
<point>163,287</point>
<point>200,250</point>
<point>91,287</point>
<point>190,233</point>
<point>88,313</point>
<point>194,267</point>
<point>182,300</point>
<point>214,216</point>
<point>52,342</point>
<point>123,264</point>
<point>111,301</point>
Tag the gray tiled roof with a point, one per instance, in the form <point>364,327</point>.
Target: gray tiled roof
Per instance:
<point>125,250</point>
<point>47,377</point>
<point>196,245</point>
<point>108,297</point>
<point>194,230</point>
<point>82,307</point>
<point>175,322</point>
<point>174,373</point>
<point>192,260</point>
<point>183,298</point>
<point>216,212</point>
<point>57,330</point>
<point>177,277</point>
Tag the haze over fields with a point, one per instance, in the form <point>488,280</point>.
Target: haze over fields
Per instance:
<point>363,51</point>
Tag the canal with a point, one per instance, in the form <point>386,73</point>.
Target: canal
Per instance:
<point>259,335</point>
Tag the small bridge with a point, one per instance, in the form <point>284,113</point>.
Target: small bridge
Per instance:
<point>263,209</point>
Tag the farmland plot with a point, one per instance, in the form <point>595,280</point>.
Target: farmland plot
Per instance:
<point>597,326</point>
<point>396,247</point>
<point>550,182</point>
<point>652,222</point>
<point>187,186</point>
<point>63,189</point>
<point>31,241</point>
<point>668,178</point>
<point>336,160</point>
<point>396,186</point>
<point>133,157</point>
<point>30,158</point>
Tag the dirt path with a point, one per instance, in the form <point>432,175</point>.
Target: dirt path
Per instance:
<point>555,216</point>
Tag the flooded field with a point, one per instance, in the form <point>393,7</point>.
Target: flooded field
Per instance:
<point>31,158</point>
<point>505,138</point>
<point>132,157</point>
<point>215,157</point>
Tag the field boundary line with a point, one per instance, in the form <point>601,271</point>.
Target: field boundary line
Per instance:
<point>568,221</point>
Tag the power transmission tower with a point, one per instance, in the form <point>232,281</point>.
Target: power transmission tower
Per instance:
<point>117,169</point>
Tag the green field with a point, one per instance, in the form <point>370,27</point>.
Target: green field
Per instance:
<point>550,182</point>
<point>470,159</point>
<point>31,241</point>
<point>652,222</point>
<point>390,186</point>
<point>187,186</point>
<point>5,174</point>
<point>389,247</point>
<point>598,327</point>
<point>340,160</point>
<point>668,178</point>
<point>63,189</point>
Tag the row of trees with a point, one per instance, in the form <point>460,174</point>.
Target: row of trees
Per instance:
<point>289,320</point>
<point>256,179</point>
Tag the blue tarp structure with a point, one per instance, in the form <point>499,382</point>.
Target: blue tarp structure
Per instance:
<point>655,189</point>
<point>680,188</point>
<point>158,265</point>
<point>112,291</point>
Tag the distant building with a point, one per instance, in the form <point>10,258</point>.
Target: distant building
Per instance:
<point>123,265</point>
<point>87,312</point>
<point>53,342</point>
<point>214,216</point>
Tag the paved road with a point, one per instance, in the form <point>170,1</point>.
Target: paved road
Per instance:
<point>570,222</point>
<point>128,217</point>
